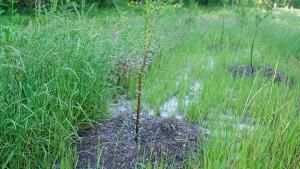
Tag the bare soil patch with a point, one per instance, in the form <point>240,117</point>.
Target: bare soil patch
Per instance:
<point>162,140</point>
<point>215,47</point>
<point>250,71</point>
<point>220,47</point>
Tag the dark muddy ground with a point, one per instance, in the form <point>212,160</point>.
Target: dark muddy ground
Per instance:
<point>162,140</point>
<point>270,73</point>
<point>215,47</point>
<point>219,47</point>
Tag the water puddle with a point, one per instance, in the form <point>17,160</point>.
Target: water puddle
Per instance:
<point>186,100</point>
<point>210,64</point>
<point>228,122</point>
<point>194,93</point>
<point>224,125</point>
<point>195,88</point>
<point>171,109</point>
<point>124,105</point>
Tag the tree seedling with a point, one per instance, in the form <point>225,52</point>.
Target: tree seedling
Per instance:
<point>150,15</point>
<point>265,10</point>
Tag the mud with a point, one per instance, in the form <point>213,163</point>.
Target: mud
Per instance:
<point>270,73</point>
<point>215,47</point>
<point>165,141</point>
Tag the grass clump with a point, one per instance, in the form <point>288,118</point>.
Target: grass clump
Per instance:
<point>53,80</point>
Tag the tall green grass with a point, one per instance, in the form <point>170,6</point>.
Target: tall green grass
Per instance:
<point>55,71</point>
<point>253,124</point>
<point>53,80</point>
<point>56,78</point>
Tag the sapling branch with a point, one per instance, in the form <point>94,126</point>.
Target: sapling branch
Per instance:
<point>223,30</point>
<point>147,43</point>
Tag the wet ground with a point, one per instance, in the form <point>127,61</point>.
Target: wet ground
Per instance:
<point>165,139</point>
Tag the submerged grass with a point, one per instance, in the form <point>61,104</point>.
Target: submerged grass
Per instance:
<point>55,80</point>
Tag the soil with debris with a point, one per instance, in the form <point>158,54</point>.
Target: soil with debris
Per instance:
<point>215,47</point>
<point>219,47</point>
<point>112,143</point>
<point>249,71</point>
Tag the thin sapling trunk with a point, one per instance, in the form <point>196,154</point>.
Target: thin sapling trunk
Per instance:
<point>252,48</point>
<point>149,7</point>
<point>139,91</point>
<point>223,30</point>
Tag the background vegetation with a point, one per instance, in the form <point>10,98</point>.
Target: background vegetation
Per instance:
<point>29,6</point>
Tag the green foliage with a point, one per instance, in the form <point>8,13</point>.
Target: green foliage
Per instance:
<point>295,3</point>
<point>1,7</point>
<point>283,3</point>
<point>53,79</point>
<point>35,5</point>
<point>241,14</point>
<point>54,71</point>
<point>224,100</point>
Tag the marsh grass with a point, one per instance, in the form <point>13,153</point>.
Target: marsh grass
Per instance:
<point>54,79</point>
<point>54,71</point>
<point>248,122</point>
<point>52,82</point>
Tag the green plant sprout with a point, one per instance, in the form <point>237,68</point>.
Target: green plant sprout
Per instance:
<point>265,10</point>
